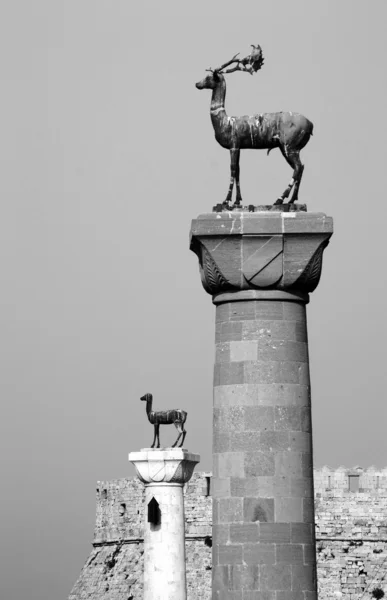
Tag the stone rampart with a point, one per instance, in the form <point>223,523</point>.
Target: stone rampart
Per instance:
<point>351,534</point>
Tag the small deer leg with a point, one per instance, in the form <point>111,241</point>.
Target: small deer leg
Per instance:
<point>158,434</point>
<point>154,435</point>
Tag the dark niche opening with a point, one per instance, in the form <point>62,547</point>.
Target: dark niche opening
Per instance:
<point>154,512</point>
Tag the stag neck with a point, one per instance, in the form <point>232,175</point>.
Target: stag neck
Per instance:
<point>218,96</point>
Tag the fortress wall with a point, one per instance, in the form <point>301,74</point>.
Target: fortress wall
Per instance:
<point>351,533</point>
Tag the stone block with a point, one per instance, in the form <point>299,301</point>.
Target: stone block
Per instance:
<point>222,353</point>
<point>221,442</point>
<point>221,531</point>
<point>257,330</point>
<point>301,487</point>
<point>230,554</point>
<point>258,418</point>
<point>288,510</point>
<point>283,350</point>
<point>276,577</point>
<point>303,578</point>
<point>242,311</point>
<point>301,533</point>
<point>274,441</point>
<point>230,510</point>
<point>300,441</point>
<point>259,463</point>
<point>236,395</point>
<point>275,532</point>
<point>220,487</point>
<point>230,419</point>
<point>262,553</point>
<point>229,373</point>
<point>309,554</point>
<point>228,331</point>
<point>245,441</point>
<point>258,509</point>
<point>308,510</point>
<point>262,372</point>
<point>242,486</point>
<point>243,351</point>
<point>229,464</point>
<point>244,532</point>
<point>288,372</point>
<point>290,554</point>
<point>288,464</point>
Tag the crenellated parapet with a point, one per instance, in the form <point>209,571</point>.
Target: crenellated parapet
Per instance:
<point>350,479</point>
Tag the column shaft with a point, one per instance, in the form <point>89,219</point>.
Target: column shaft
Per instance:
<point>263,511</point>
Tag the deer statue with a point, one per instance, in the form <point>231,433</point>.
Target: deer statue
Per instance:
<point>165,417</point>
<point>288,131</point>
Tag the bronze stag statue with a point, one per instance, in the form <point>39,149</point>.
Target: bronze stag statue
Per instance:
<point>288,131</point>
<point>165,417</point>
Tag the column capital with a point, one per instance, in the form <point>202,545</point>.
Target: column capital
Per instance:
<point>261,250</point>
<point>167,465</point>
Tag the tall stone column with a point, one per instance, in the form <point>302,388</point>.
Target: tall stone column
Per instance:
<point>164,473</point>
<point>260,268</point>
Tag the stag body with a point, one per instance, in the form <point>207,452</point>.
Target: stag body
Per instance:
<point>175,416</point>
<point>288,131</point>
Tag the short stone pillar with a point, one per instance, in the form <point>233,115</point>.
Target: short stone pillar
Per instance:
<point>260,268</point>
<point>164,473</point>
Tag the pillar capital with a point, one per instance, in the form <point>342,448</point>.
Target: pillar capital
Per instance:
<point>167,465</point>
<point>261,250</point>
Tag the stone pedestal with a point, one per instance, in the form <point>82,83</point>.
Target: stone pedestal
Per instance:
<point>164,473</point>
<point>260,268</point>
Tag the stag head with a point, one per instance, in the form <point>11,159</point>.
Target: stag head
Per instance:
<point>250,64</point>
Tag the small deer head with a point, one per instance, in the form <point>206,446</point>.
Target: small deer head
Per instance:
<point>146,397</point>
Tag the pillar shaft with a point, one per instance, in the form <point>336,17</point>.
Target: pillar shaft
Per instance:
<point>164,544</point>
<point>164,473</point>
<point>260,269</point>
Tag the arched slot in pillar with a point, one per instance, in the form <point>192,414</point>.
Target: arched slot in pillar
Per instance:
<point>154,513</point>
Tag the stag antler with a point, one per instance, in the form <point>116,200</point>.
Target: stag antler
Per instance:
<point>250,64</point>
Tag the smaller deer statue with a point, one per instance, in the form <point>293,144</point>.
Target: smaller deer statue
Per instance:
<point>288,131</point>
<point>175,416</point>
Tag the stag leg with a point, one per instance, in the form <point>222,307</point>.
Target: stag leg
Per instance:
<point>297,184</point>
<point>234,176</point>
<point>293,159</point>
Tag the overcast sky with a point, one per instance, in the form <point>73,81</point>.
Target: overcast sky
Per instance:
<point>107,153</point>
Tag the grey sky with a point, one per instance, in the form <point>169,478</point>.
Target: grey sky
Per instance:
<point>107,153</point>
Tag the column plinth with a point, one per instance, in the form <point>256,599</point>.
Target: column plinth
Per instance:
<point>260,268</point>
<point>164,473</point>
